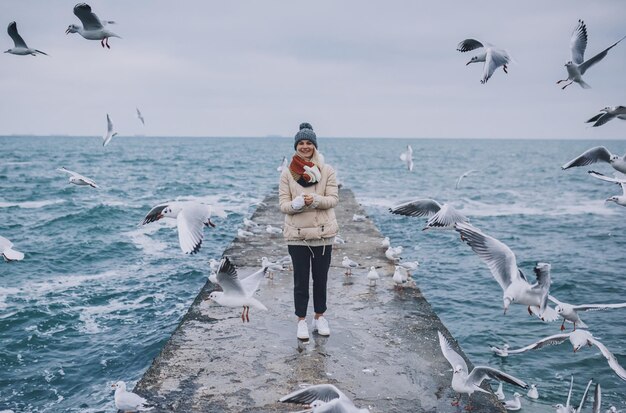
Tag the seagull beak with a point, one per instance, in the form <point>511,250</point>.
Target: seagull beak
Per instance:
<point>159,217</point>
<point>466,64</point>
<point>113,386</point>
<point>67,31</point>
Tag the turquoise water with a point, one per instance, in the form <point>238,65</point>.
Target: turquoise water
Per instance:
<point>98,295</point>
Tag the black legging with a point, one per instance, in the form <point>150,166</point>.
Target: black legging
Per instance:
<point>305,260</point>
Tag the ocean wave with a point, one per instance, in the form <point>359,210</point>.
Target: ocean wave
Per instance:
<point>31,204</point>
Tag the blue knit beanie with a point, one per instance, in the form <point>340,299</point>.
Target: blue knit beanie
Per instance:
<point>305,134</point>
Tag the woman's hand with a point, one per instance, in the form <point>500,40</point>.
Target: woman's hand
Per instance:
<point>308,199</point>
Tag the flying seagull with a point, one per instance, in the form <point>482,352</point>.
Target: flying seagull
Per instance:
<point>578,339</point>
<point>407,157</point>
<point>492,56</point>
<point>608,113</point>
<point>466,382</point>
<point>578,65</point>
<point>618,199</point>
<point>191,217</point>
<point>235,292</point>
<point>569,312</point>
<point>503,265</point>
<point>323,398</point>
<point>110,134</point>
<point>140,117</point>
<point>20,47</point>
<point>598,154</point>
<point>78,179</point>
<point>441,216</point>
<point>92,28</point>
<point>465,174</point>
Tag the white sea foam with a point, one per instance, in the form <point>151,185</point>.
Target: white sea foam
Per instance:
<point>30,204</point>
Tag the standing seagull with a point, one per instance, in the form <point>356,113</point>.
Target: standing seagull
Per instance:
<point>20,47</point>
<point>608,113</point>
<point>128,401</point>
<point>93,27</point>
<point>618,199</point>
<point>348,264</point>
<point>78,179</point>
<point>598,154</point>
<point>503,265</point>
<point>140,117</point>
<point>323,398</point>
<point>110,134</point>
<point>578,65</point>
<point>7,251</point>
<point>191,217</point>
<point>492,56</point>
<point>465,382</point>
<point>407,157</point>
<point>237,293</point>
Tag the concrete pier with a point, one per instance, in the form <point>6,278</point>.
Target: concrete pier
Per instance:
<point>383,350</point>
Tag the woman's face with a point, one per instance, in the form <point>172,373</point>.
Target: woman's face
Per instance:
<point>305,149</point>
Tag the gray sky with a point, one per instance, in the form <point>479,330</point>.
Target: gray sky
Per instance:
<point>351,68</point>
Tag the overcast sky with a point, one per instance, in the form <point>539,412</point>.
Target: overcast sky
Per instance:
<point>351,68</point>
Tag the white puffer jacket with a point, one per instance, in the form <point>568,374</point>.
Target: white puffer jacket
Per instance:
<point>316,224</point>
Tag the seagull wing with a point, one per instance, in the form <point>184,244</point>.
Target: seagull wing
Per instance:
<point>603,119</point>
<point>5,243</point>
<point>417,208</point>
<point>603,177</point>
<point>594,307</point>
<point>620,110</point>
<point>597,399</point>
<point>482,372</point>
<point>584,398</point>
<point>595,118</point>
<point>251,283</point>
<point>619,370</point>
<point>448,352</point>
<point>140,116</point>
<point>569,395</point>
<point>131,400</point>
<point>227,278</point>
<point>586,65</point>
<point>498,257</point>
<point>109,125</point>
<point>63,169</point>
<point>445,218</point>
<point>578,43</point>
<point>190,223</point>
<point>17,39</point>
<point>550,340</point>
<point>89,20</point>
<point>593,155</point>
<point>469,44</point>
<point>154,213</point>
<point>323,392</point>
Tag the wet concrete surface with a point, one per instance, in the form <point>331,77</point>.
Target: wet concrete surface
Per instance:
<point>383,350</point>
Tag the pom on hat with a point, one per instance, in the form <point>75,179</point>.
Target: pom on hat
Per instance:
<point>305,134</point>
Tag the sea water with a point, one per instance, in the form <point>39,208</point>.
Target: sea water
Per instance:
<point>98,294</point>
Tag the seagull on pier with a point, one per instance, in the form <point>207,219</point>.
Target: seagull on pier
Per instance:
<point>385,243</point>
<point>466,382</point>
<point>407,157</point>
<point>598,154</point>
<point>372,276</point>
<point>348,264</point>
<point>243,234</point>
<point>323,398</point>
<point>78,179</point>
<point>110,134</point>
<point>533,393</point>
<point>578,65</point>
<point>7,251</point>
<point>140,117</point>
<point>271,267</point>
<point>441,216</point>
<point>569,312</point>
<point>503,265</point>
<point>358,218</point>
<point>400,276</point>
<point>273,230</point>
<point>248,223</point>
<point>492,56</point>
<point>393,253</point>
<point>191,218</point>
<point>128,401</point>
<point>578,339</point>
<point>93,28</point>
<point>237,293</point>
<point>499,393</point>
<point>20,47</point>
<point>618,199</point>
<point>608,113</point>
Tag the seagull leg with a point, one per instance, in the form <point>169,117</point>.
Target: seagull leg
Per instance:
<point>102,42</point>
<point>247,314</point>
<point>574,325</point>
<point>529,312</point>
<point>107,42</point>
<point>455,401</point>
<point>561,81</point>
<point>563,325</point>
<point>243,320</point>
<point>505,69</point>
<point>567,85</point>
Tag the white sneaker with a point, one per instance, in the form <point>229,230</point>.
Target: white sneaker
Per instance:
<point>321,326</point>
<point>303,330</point>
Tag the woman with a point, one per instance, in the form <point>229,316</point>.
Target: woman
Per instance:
<point>307,195</point>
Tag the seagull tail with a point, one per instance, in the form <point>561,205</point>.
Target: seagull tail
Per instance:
<point>584,85</point>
